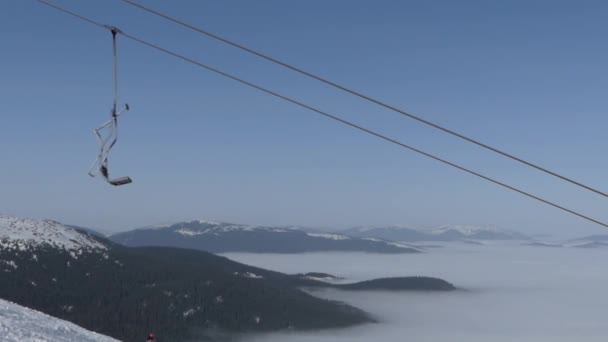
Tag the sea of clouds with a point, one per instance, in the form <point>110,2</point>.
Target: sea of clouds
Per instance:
<point>510,292</point>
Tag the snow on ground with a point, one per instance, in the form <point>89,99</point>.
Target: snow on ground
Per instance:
<point>248,275</point>
<point>20,324</point>
<point>24,234</point>
<point>191,232</point>
<point>329,236</point>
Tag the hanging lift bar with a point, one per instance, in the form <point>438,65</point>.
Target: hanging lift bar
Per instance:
<point>100,166</point>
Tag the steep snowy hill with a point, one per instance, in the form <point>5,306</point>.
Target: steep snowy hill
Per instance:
<point>443,233</point>
<point>20,324</point>
<point>24,234</point>
<point>220,237</point>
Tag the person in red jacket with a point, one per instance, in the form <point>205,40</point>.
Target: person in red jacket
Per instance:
<point>150,337</point>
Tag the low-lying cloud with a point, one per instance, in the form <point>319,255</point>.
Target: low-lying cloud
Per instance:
<point>510,293</point>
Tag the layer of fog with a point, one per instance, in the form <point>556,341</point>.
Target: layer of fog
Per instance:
<point>514,293</point>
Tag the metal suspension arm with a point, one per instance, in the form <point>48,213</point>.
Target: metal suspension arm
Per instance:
<point>100,166</point>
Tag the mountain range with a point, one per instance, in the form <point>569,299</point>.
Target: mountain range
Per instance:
<point>591,241</point>
<point>219,237</point>
<point>179,294</point>
<point>443,233</point>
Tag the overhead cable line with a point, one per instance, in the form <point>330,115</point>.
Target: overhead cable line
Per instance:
<point>333,117</point>
<point>363,96</point>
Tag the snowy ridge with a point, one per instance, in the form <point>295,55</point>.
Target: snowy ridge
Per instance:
<point>363,229</point>
<point>202,227</point>
<point>218,237</point>
<point>25,234</point>
<point>20,324</point>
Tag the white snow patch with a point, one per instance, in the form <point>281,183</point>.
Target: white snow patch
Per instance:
<point>329,236</point>
<point>191,312</point>
<point>190,232</point>
<point>9,263</point>
<point>249,275</point>
<point>20,324</point>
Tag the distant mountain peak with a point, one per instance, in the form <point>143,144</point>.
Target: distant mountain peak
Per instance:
<point>467,229</point>
<point>25,234</point>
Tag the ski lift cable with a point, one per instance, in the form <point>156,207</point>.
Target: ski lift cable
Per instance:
<point>336,118</point>
<point>364,97</point>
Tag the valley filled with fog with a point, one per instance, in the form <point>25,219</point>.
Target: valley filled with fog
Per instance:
<point>509,292</point>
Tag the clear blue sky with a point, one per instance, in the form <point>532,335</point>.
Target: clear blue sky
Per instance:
<point>526,76</point>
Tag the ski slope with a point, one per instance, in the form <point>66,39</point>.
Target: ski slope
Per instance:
<point>20,324</point>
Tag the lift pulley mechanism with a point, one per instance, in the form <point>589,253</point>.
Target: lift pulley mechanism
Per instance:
<point>110,128</point>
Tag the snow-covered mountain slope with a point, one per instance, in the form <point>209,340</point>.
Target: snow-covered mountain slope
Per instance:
<point>20,324</point>
<point>25,234</point>
<point>220,237</point>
